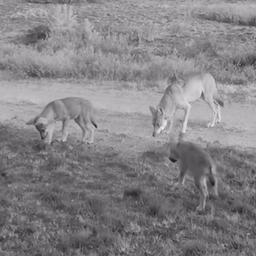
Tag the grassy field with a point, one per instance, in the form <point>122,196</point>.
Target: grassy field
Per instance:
<point>71,199</point>
<point>130,41</point>
<point>112,197</point>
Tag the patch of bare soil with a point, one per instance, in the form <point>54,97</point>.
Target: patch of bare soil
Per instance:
<point>125,113</point>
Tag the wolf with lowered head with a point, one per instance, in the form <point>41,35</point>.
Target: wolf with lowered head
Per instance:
<point>177,96</point>
<point>72,108</point>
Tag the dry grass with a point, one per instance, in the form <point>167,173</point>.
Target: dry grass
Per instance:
<point>49,207</point>
<point>238,13</point>
<point>141,50</point>
<point>108,58</point>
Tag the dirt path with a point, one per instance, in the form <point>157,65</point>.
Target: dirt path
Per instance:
<point>125,113</point>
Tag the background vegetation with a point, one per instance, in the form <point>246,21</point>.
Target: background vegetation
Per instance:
<point>100,40</point>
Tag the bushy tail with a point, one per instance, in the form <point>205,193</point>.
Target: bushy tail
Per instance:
<point>94,123</point>
<point>212,177</point>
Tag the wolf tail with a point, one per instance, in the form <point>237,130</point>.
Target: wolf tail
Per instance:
<point>212,178</point>
<point>93,122</point>
<point>219,101</point>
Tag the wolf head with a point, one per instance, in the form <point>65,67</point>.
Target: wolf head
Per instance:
<point>159,120</point>
<point>41,125</point>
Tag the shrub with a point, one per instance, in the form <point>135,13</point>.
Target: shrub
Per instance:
<point>77,49</point>
<point>240,14</point>
<point>41,32</point>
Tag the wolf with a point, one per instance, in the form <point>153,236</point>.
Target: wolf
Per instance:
<point>71,108</point>
<point>196,162</point>
<point>180,97</point>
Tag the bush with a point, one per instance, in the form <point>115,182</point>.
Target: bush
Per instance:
<point>41,32</point>
<point>240,14</point>
<point>67,48</point>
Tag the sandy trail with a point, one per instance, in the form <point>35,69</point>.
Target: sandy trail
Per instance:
<point>125,112</point>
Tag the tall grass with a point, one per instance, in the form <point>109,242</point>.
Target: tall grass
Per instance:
<point>78,49</point>
<point>239,13</point>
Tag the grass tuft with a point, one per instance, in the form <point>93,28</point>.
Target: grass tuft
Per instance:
<point>194,248</point>
<point>53,162</point>
<point>156,205</point>
<point>134,193</point>
<point>52,199</point>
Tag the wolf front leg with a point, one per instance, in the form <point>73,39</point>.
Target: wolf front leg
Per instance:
<point>187,109</point>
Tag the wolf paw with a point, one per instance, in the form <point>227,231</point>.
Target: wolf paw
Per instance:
<point>210,125</point>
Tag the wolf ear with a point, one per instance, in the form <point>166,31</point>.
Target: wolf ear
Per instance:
<point>32,121</point>
<point>152,110</point>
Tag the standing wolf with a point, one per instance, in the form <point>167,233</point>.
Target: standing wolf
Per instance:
<point>196,162</point>
<point>64,110</point>
<point>175,97</point>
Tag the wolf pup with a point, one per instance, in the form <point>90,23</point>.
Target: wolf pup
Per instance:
<point>72,108</point>
<point>196,162</point>
<point>180,97</point>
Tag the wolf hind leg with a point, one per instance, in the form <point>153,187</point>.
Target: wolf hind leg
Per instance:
<point>202,187</point>
<point>64,130</point>
<point>214,109</point>
<point>79,120</point>
<point>90,129</point>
